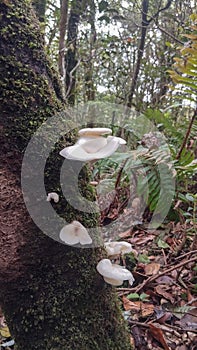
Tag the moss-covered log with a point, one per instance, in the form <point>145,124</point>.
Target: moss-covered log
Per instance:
<point>51,294</point>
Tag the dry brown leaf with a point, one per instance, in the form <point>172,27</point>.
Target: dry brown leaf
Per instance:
<point>166,316</point>
<point>145,309</point>
<point>141,240</point>
<point>158,335</point>
<point>189,320</point>
<point>152,269</point>
<point>125,234</point>
<point>161,291</point>
<point>190,298</point>
<point>132,342</point>
<point>131,305</point>
<point>165,280</point>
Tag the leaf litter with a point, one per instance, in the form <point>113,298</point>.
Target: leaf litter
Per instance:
<point>161,306</point>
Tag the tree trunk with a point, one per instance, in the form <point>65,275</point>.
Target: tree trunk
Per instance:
<point>145,23</point>
<point>51,294</point>
<point>40,8</point>
<point>144,26</point>
<point>89,65</point>
<point>71,62</point>
<point>62,30</point>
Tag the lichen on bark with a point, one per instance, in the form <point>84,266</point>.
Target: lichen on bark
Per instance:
<point>51,294</point>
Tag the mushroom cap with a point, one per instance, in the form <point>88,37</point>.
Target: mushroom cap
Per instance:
<point>113,282</point>
<point>75,233</point>
<point>115,248</point>
<point>119,139</point>
<point>92,144</point>
<point>113,271</point>
<point>94,183</point>
<point>132,279</point>
<point>77,152</point>
<point>54,196</point>
<point>94,131</point>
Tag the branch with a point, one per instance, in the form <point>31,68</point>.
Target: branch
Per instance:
<point>160,10</point>
<point>145,23</point>
<point>187,135</point>
<point>153,278</point>
<point>62,31</point>
<point>170,35</point>
<point>71,78</point>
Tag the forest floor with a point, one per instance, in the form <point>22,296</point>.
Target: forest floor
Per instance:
<point>161,306</point>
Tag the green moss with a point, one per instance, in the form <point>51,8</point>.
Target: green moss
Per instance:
<point>39,85</point>
<point>78,311</point>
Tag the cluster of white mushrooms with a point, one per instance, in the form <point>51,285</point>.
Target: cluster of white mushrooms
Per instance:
<point>91,145</point>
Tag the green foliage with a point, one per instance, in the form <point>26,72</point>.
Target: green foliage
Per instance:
<point>136,296</point>
<point>108,41</point>
<point>185,67</point>
<point>152,169</point>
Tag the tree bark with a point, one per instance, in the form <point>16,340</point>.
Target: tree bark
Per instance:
<point>51,294</point>
<point>145,23</point>
<point>89,65</point>
<point>40,8</point>
<point>71,62</point>
<point>144,26</point>
<point>62,28</point>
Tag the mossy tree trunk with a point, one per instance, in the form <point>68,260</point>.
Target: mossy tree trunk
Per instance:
<point>51,294</point>
<point>40,7</point>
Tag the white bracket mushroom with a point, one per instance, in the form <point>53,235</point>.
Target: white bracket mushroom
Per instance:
<point>92,145</point>
<point>118,248</point>
<point>75,233</point>
<point>114,274</point>
<point>54,196</point>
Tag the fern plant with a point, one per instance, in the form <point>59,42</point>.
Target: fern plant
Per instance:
<point>184,72</point>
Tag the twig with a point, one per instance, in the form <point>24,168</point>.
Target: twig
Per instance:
<point>120,173</point>
<point>169,2</point>
<point>184,255</point>
<point>71,78</point>
<point>135,323</point>
<point>153,278</point>
<point>169,326</point>
<point>164,256</point>
<point>187,134</point>
<point>170,35</point>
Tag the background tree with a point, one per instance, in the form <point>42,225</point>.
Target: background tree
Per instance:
<point>51,294</point>
<point>62,31</point>
<point>116,53</point>
<point>40,7</point>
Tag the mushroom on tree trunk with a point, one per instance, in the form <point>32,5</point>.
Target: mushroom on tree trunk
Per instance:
<point>51,293</point>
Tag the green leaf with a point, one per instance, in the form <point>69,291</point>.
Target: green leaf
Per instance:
<point>190,197</point>
<point>133,296</point>
<point>179,312</point>
<point>144,297</point>
<point>168,44</point>
<point>119,157</point>
<point>162,244</point>
<point>143,258</point>
<point>195,268</point>
<point>104,18</point>
<point>103,5</point>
